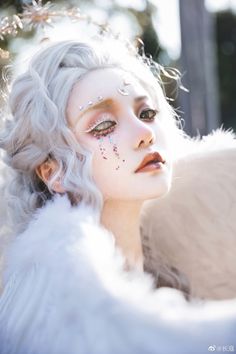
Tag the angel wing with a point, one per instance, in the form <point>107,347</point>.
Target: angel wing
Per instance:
<point>65,292</point>
<point>193,228</point>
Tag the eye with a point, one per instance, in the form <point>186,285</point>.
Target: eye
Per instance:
<point>104,128</point>
<point>148,114</point>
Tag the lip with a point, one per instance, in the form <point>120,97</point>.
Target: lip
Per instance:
<point>151,162</point>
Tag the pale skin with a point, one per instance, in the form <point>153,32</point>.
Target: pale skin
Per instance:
<point>116,119</point>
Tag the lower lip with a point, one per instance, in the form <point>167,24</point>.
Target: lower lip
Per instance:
<point>151,167</point>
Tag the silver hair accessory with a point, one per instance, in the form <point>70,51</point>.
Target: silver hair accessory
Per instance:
<point>122,90</point>
<point>36,15</point>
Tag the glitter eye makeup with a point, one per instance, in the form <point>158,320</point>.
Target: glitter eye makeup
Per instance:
<point>115,151</point>
<point>102,126</point>
<point>102,149</point>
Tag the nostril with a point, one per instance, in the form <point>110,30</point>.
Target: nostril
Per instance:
<point>146,142</point>
<point>151,140</point>
<point>142,142</point>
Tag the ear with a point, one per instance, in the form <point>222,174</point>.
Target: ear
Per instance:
<point>46,170</point>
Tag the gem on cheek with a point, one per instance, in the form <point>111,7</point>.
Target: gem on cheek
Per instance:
<point>114,147</point>
<point>102,149</point>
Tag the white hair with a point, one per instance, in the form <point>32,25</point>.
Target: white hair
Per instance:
<point>38,129</point>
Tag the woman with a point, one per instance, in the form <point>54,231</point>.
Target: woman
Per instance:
<point>92,132</point>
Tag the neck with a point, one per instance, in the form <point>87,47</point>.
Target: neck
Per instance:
<point>122,219</point>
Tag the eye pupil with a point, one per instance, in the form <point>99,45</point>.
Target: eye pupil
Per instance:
<point>104,125</point>
<point>103,128</point>
<point>148,114</point>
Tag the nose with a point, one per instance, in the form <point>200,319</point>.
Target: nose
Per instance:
<point>144,136</point>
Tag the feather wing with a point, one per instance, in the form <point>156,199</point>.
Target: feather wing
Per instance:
<point>193,228</point>
<point>65,292</point>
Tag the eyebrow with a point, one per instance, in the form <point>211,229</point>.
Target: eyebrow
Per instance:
<point>109,102</point>
<point>140,98</point>
<point>104,104</point>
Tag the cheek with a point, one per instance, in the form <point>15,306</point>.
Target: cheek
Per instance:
<point>108,161</point>
<point>162,136</point>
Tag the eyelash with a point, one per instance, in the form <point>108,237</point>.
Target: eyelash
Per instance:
<point>105,131</point>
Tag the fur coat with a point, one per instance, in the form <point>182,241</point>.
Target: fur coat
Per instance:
<point>66,292</point>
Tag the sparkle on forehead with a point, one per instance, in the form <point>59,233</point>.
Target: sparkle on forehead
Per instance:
<point>122,90</point>
<point>126,82</point>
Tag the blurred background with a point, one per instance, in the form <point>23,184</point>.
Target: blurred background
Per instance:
<point>198,37</point>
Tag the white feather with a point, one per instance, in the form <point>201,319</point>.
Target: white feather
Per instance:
<point>194,227</point>
<point>66,291</point>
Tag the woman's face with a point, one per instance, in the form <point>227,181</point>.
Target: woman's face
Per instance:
<point>113,116</point>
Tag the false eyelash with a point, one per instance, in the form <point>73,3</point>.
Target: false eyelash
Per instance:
<point>103,133</point>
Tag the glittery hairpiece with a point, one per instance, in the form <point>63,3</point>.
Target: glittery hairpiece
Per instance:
<point>36,15</point>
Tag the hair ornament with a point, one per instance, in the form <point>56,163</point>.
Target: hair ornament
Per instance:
<point>37,15</point>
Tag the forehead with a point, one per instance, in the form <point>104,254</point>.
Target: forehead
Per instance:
<point>103,83</point>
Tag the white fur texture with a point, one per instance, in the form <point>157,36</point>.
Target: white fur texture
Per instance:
<point>194,227</point>
<point>66,293</point>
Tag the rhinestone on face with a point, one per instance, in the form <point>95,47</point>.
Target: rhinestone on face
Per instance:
<point>90,103</point>
<point>100,98</point>
<point>81,107</point>
<point>122,91</point>
<point>127,82</point>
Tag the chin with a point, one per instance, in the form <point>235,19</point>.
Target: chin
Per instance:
<point>159,189</point>
<point>151,191</point>
<point>161,194</point>
<point>158,194</point>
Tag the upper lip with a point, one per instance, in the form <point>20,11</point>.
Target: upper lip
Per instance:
<point>151,157</point>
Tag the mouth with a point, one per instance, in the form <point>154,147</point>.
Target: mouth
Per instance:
<point>151,162</point>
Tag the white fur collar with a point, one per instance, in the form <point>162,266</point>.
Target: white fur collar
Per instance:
<point>66,292</point>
